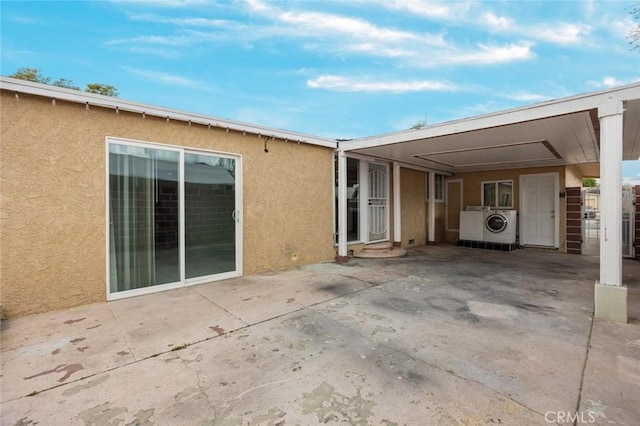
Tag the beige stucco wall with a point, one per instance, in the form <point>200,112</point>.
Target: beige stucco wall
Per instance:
<point>52,177</point>
<point>573,177</point>
<point>473,189</point>
<point>413,223</point>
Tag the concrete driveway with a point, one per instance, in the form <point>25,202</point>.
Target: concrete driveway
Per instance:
<point>445,335</point>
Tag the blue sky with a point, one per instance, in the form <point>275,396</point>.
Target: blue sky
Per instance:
<point>339,69</point>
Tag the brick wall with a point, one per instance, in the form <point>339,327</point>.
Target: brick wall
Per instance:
<point>574,220</point>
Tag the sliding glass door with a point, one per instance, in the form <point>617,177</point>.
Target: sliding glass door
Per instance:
<point>173,217</point>
<point>210,225</point>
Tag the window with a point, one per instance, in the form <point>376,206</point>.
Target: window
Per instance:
<point>498,194</point>
<point>439,183</point>
<point>353,199</point>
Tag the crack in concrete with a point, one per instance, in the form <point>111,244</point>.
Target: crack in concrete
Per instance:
<point>124,336</point>
<point>202,390</point>
<point>584,366</point>
<point>221,307</point>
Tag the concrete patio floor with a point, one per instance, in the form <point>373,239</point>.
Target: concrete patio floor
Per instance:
<point>445,335</point>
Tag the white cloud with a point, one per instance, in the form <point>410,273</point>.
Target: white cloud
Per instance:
<point>494,54</point>
<point>622,28</point>
<point>461,13</point>
<point>526,97</point>
<point>495,22</point>
<point>561,33</point>
<point>346,33</point>
<point>165,3</point>
<point>607,82</point>
<point>351,84</point>
<point>432,9</point>
<point>153,40</point>
<point>166,78</point>
<point>187,21</point>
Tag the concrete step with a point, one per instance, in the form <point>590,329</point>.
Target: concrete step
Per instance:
<point>386,245</point>
<point>381,254</point>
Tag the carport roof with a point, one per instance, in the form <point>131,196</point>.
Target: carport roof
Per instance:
<point>557,132</point>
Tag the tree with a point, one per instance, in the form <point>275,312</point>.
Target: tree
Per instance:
<point>589,183</point>
<point>419,124</point>
<point>66,83</point>
<point>31,74</point>
<point>634,34</point>
<point>102,89</point>
<point>35,75</point>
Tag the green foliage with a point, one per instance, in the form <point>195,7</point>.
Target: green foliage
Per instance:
<point>66,83</point>
<point>31,74</point>
<point>419,124</point>
<point>101,89</point>
<point>35,75</point>
<point>589,183</point>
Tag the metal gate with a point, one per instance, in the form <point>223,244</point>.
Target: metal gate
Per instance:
<point>591,221</point>
<point>378,201</point>
<point>628,221</point>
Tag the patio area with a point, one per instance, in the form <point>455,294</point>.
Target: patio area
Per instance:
<point>444,335</point>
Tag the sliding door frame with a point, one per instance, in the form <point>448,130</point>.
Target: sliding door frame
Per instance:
<point>237,214</point>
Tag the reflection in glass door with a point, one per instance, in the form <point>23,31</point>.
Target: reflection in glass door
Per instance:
<point>210,204</point>
<point>173,217</point>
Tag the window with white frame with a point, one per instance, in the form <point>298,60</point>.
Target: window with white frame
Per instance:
<point>439,187</point>
<point>498,194</point>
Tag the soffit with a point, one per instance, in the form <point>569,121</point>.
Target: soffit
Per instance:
<point>566,139</point>
<point>559,132</point>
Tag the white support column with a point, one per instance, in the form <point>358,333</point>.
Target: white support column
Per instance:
<point>342,207</point>
<point>397,207</point>
<point>431,234</point>
<point>610,295</point>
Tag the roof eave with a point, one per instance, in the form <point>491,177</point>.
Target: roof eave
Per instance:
<point>556,107</point>
<point>71,95</point>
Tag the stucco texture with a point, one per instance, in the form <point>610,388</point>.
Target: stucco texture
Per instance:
<point>53,184</point>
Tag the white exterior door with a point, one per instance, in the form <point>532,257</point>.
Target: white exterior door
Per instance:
<point>378,200</point>
<point>539,210</point>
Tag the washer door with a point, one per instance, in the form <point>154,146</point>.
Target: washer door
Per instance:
<point>496,223</point>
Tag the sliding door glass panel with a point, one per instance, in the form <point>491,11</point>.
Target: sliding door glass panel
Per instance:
<point>210,226</point>
<point>143,217</point>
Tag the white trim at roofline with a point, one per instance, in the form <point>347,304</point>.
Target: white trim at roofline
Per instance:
<point>556,107</point>
<point>91,99</point>
<point>364,157</point>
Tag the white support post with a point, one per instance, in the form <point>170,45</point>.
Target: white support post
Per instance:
<point>397,207</point>
<point>610,295</point>
<point>342,207</point>
<point>431,239</point>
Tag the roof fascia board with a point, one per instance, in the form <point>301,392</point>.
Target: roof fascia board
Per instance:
<point>365,157</point>
<point>538,111</point>
<point>70,95</point>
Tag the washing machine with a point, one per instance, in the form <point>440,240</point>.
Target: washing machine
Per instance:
<point>500,226</point>
<point>472,223</point>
